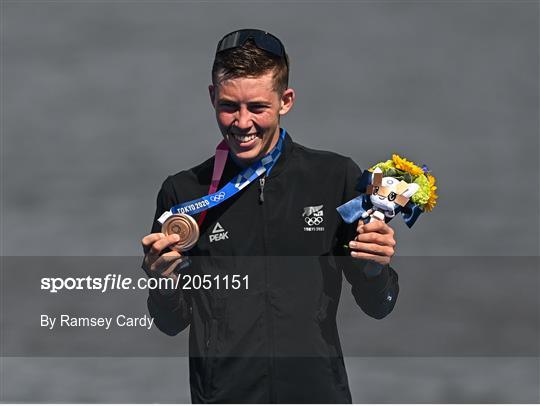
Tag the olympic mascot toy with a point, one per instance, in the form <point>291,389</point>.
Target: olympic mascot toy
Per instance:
<point>392,187</point>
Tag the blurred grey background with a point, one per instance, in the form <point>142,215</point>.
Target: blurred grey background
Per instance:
<point>102,100</point>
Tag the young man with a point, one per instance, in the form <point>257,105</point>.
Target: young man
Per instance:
<point>273,339</point>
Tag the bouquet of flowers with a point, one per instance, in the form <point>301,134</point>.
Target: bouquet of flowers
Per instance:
<point>391,187</point>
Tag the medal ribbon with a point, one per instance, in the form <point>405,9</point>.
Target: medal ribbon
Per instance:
<point>220,158</point>
<point>239,182</point>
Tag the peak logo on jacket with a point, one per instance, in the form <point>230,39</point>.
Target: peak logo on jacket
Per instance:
<point>313,217</point>
<point>218,233</point>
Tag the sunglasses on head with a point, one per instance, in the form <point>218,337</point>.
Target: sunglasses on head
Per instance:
<point>262,39</point>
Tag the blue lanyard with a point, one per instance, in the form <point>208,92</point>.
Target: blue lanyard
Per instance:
<point>239,182</point>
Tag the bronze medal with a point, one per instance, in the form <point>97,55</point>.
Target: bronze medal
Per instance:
<point>186,227</point>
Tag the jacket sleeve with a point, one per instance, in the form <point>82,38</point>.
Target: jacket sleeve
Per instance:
<point>374,287</point>
<point>171,309</point>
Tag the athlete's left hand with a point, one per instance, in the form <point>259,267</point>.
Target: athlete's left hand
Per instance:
<point>374,242</point>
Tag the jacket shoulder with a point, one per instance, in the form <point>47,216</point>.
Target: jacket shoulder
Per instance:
<point>199,174</point>
<point>180,186</point>
<point>326,160</point>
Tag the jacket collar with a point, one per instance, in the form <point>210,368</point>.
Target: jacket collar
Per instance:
<point>284,158</point>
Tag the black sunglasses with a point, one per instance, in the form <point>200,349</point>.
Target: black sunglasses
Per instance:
<point>262,39</point>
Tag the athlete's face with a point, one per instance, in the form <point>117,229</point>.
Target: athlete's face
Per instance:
<point>248,112</point>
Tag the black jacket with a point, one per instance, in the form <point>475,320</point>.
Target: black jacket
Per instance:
<point>277,340</point>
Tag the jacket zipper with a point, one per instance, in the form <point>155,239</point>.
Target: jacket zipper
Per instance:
<point>270,331</point>
<point>261,193</point>
<point>207,361</point>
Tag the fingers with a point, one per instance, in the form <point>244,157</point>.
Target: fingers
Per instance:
<point>156,263</point>
<point>150,239</point>
<point>170,271</point>
<point>374,227</point>
<point>376,238</point>
<point>370,249</point>
<point>374,241</point>
<point>166,263</point>
<point>383,260</point>
<point>162,243</point>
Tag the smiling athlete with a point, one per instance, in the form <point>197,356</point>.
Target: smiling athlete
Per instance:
<point>270,248</point>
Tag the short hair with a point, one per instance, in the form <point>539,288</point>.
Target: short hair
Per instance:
<point>251,61</point>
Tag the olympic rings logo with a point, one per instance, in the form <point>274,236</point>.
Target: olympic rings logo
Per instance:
<point>313,221</point>
<point>218,197</point>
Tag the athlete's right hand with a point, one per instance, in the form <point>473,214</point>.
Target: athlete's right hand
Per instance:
<point>156,263</point>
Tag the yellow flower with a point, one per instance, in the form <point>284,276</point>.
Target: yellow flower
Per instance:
<point>407,166</point>
<point>432,181</point>
<point>432,201</point>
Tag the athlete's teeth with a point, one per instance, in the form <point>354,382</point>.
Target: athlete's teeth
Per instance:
<point>244,138</point>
